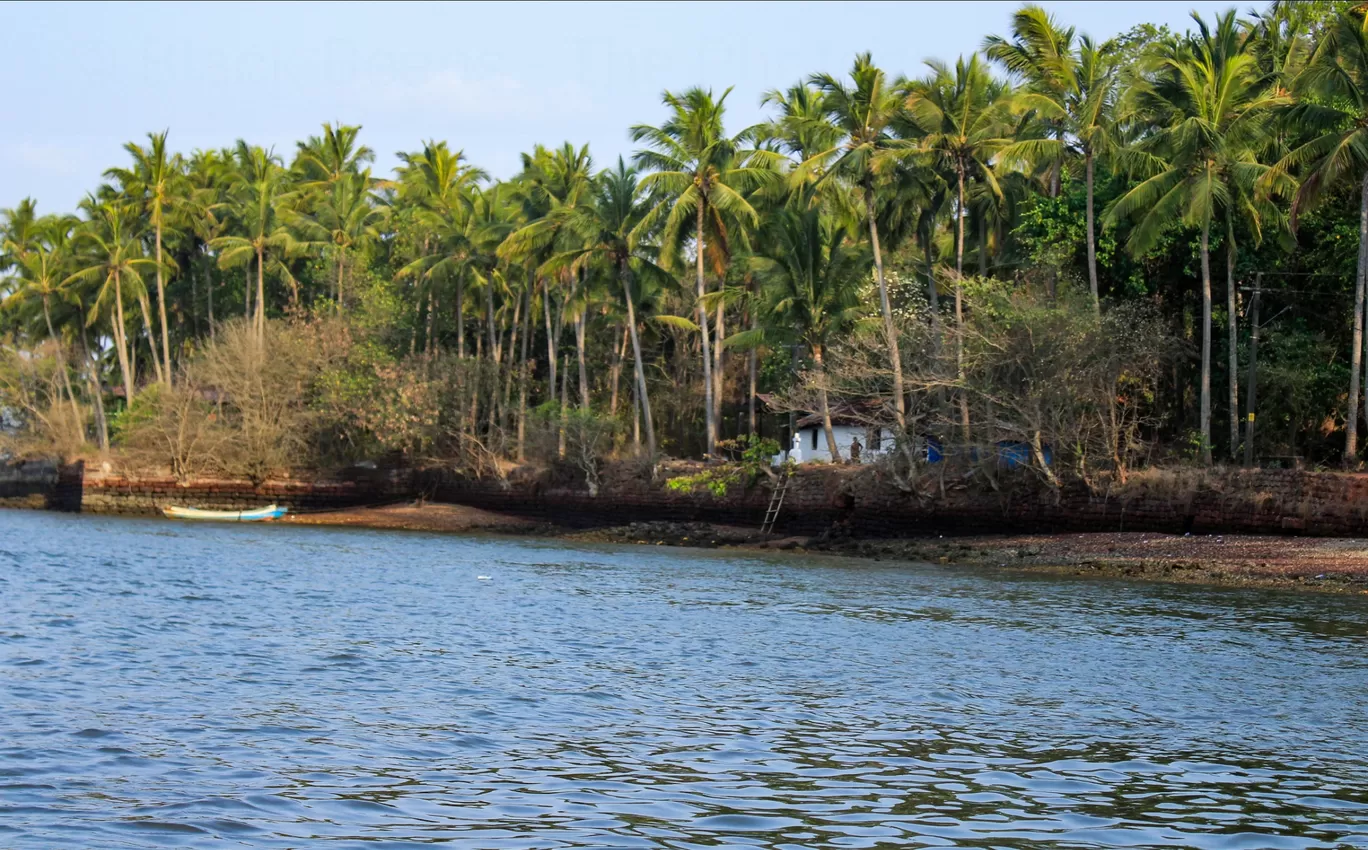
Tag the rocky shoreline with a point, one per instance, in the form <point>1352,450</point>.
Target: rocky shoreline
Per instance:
<point>1337,565</point>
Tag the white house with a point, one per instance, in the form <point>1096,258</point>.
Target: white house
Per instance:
<point>810,444</point>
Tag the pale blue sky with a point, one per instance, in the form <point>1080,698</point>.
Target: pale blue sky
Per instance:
<point>490,78</point>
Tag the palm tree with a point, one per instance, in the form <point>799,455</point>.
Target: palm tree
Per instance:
<point>1214,111</point>
<point>812,274</point>
<point>701,174</point>
<point>1073,85</point>
<point>325,159</point>
<point>552,182</point>
<point>343,217</point>
<point>112,259</point>
<point>613,227</point>
<point>963,116</point>
<point>443,186</point>
<point>863,114</point>
<point>255,201</point>
<point>204,212</point>
<point>19,232</point>
<point>42,270</point>
<point>156,182</point>
<point>1336,116</point>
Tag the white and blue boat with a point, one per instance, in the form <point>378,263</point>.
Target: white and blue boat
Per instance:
<point>259,515</point>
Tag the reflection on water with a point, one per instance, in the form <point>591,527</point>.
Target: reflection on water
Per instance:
<point>185,686</point>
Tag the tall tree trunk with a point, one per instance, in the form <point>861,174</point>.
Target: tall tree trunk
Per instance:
<point>209,294</point>
<point>1092,236</point>
<point>261,296</point>
<point>151,336</point>
<point>1355,357</point>
<point>641,394</point>
<point>430,338</point>
<point>719,365</point>
<point>890,330</point>
<point>1205,414</point>
<point>826,407</point>
<point>615,373</point>
<point>552,354</point>
<point>959,306</point>
<point>121,340</point>
<point>709,424</point>
<point>564,407</point>
<point>66,377</point>
<point>341,267</point>
<point>161,308</point>
<point>460,319</point>
<point>524,377</point>
<point>752,374</point>
<point>194,298</point>
<point>513,364</point>
<point>95,385</point>
<point>1233,353</point>
<point>580,322</point>
<point>932,291</point>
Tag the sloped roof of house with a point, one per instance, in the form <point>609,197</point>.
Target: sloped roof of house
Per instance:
<point>857,414</point>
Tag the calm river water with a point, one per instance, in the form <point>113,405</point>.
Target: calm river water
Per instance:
<point>170,685</point>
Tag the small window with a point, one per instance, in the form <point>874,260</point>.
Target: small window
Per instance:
<point>873,437</point>
<point>814,438</point>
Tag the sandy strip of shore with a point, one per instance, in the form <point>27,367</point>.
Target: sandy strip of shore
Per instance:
<point>1321,564</point>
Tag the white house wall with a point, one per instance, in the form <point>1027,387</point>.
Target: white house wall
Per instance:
<point>804,452</point>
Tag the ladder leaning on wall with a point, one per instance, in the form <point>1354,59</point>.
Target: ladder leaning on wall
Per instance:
<point>776,500</point>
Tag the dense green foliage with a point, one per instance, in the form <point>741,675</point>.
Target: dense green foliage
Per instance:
<point>1054,242</point>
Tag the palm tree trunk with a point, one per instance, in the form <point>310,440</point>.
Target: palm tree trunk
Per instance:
<point>523,375</point>
<point>460,319</point>
<point>580,322</point>
<point>1092,237</point>
<point>890,331</point>
<point>120,340</point>
<point>209,294</point>
<point>710,426</point>
<point>643,399</point>
<point>94,384</point>
<point>1233,353</point>
<point>151,336</point>
<point>752,374</point>
<point>615,373</point>
<point>514,327</point>
<point>959,306</point>
<point>932,293</point>
<point>161,308</point>
<point>564,406</point>
<point>341,266</point>
<point>261,296</point>
<point>826,407</point>
<point>66,377</point>
<point>552,355</point>
<point>1204,424</point>
<point>719,366</point>
<point>1356,356</point>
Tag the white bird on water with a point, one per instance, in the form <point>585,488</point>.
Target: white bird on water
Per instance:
<point>482,578</point>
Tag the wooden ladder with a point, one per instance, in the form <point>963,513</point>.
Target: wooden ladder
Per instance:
<point>776,502</point>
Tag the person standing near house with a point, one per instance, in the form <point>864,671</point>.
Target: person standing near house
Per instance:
<point>855,450</point>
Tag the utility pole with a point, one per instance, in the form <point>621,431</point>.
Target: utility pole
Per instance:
<point>1252,380</point>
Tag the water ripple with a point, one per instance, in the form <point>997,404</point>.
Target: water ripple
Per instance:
<point>186,686</point>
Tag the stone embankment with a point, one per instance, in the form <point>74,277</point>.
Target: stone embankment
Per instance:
<point>833,501</point>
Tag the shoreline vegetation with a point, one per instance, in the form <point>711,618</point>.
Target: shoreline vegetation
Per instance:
<point>1088,264</point>
<point>1328,565</point>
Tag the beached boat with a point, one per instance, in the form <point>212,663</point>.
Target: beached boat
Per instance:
<point>258,515</point>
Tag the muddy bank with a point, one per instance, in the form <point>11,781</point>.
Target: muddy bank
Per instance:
<point>1319,564</point>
